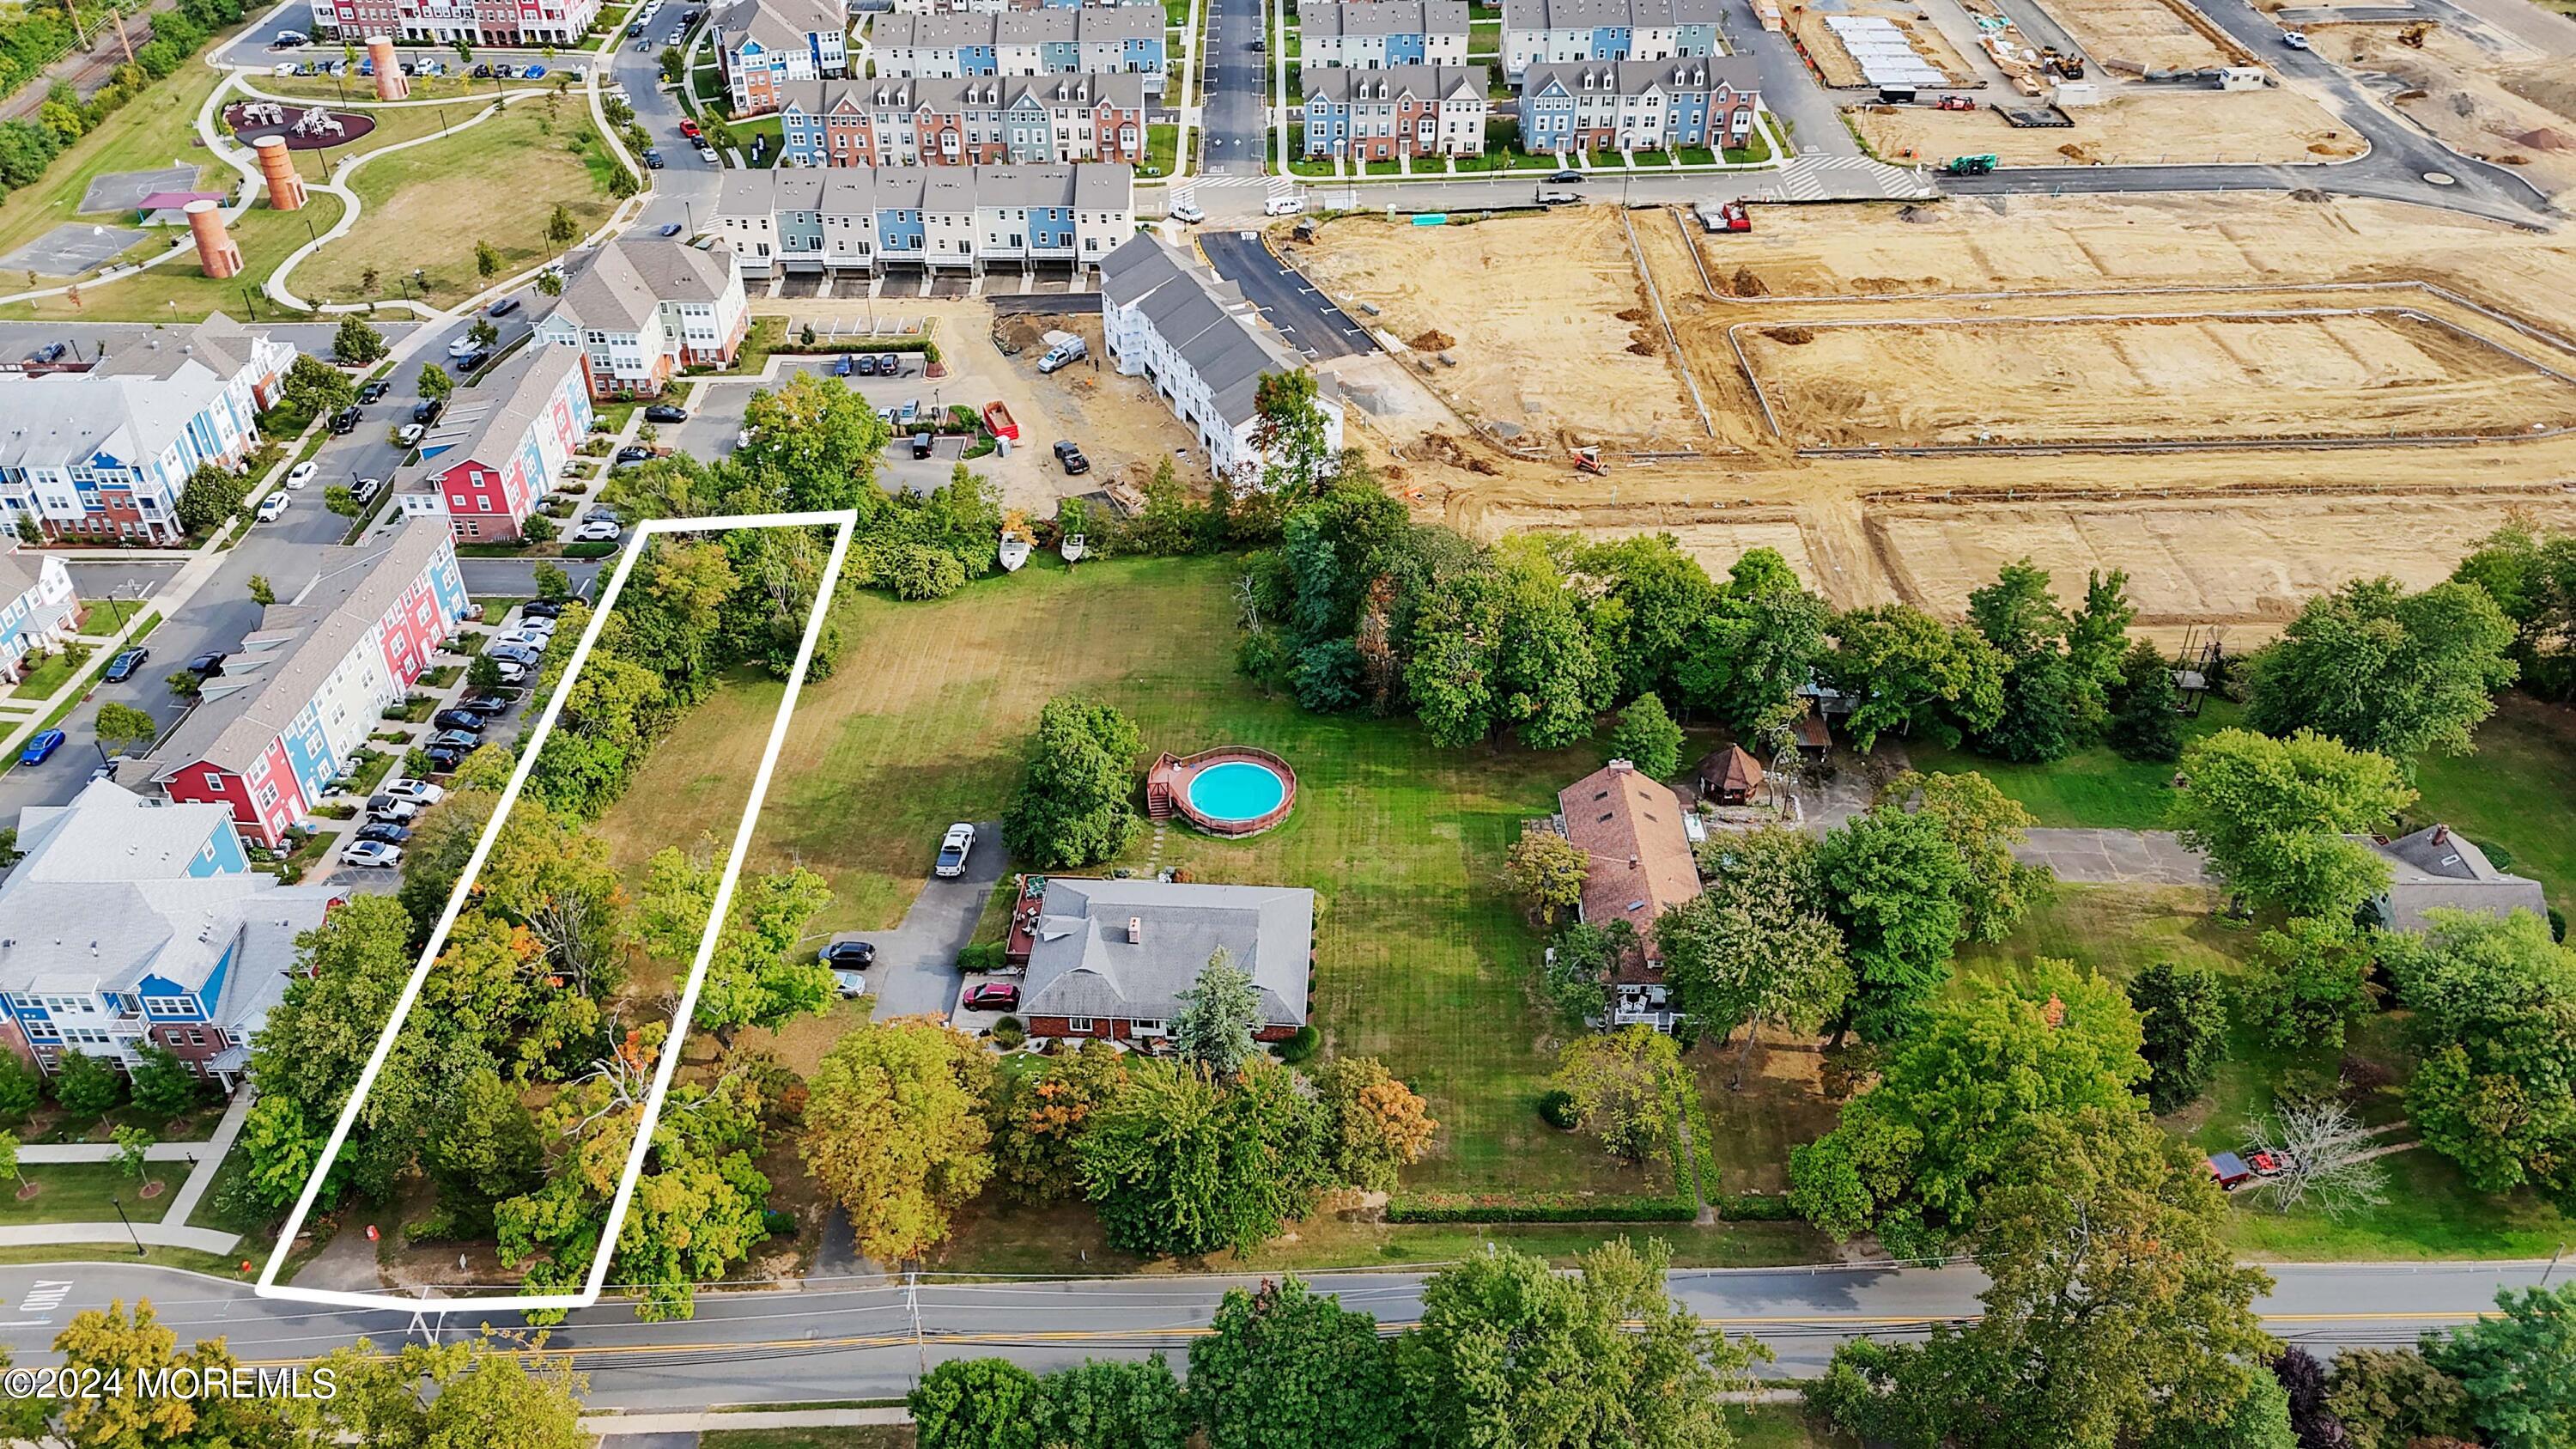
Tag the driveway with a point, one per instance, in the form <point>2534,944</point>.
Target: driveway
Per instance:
<point>2115,857</point>
<point>916,970</point>
<point>1304,315</point>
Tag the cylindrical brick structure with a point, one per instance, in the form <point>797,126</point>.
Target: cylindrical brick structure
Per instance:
<point>391,83</point>
<point>277,167</point>
<point>215,250</point>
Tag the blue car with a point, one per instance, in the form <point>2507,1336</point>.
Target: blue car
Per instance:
<point>532,72</point>
<point>41,748</point>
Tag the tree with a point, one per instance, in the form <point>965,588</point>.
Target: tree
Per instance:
<point>2146,708</point>
<point>1038,1116</point>
<point>261,593</point>
<point>1914,1156</point>
<point>1647,737</point>
<point>357,343</point>
<point>1651,602</point>
<point>435,384</point>
<point>1625,1086</point>
<point>8,1160</point>
<point>161,1084</point>
<point>1076,782</point>
<point>1109,1405</point>
<point>485,332</point>
<point>758,975</point>
<point>483,672</point>
<point>211,495</point>
<point>1284,1368</point>
<point>551,581</point>
<point>2326,1158</point>
<point>134,1150</point>
<point>2117,1314</point>
<point>1755,948</point>
<point>1545,872</point>
<point>86,1084</point>
<point>1983,824</point>
<point>2518,1368</point>
<point>122,727</point>
<point>561,229</point>
<point>316,388</point>
<point>1579,963</point>
<point>487,261</point>
<point>2384,670</point>
<point>339,498</point>
<point>1912,674</point>
<point>1747,658</point>
<point>2494,1025</point>
<point>1510,1352</point>
<point>281,1145</point>
<point>2273,817</point>
<point>671,64</point>
<point>816,443</point>
<point>1178,1163</point>
<point>474,1391</point>
<point>895,1129</point>
<point>21,1090</point>
<point>2303,1381</point>
<point>485,1149</point>
<point>108,1346</point>
<point>1297,457</point>
<point>2392,1398</point>
<point>2182,1014</point>
<point>1376,1123</point>
<point>1219,1014</point>
<point>2308,981</point>
<point>1897,886</point>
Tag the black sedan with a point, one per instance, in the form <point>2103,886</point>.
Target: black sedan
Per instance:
<point>122,667</point>
<point>634,453</point>
<point>666,413</point>
<point>207,665</point>
<point>485,705</point>
<point>459,719</point>
<point>383,832</point>
<point>850,955</point>
<point>1070,455</point>
<point>374,391</point>
<point>542,609</point>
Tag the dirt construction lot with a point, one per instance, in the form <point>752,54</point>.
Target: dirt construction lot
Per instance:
<point>2319,373</point>
<point>2136,35</point>
<point>2518,112</point>
<point>1835,63</point>
<point>2143,127</point>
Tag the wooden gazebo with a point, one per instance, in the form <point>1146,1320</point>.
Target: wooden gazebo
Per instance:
<point>1730,776</point>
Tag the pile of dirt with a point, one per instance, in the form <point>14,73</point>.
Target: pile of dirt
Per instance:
<point>1431,340</point>
<point>1745,284</point>
<point>1790,336</point>
<point>1439,447</point>
<point>1630,314</point>
<point>2545,138</point>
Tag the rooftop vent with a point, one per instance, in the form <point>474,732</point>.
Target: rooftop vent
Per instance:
<point>1135,930</point>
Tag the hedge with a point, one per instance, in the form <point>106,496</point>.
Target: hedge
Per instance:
<point>589,550</point>
<point>826,347</point>
<point>1649,1211</point>
<point>1755,1207</point>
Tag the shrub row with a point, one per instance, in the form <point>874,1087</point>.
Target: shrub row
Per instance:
<point>1647,1210</point>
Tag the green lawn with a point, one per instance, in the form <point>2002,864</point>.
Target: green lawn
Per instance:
<point>157,128</point>
<point>2431,1212</point>
<point>1422,961</point>
<point>2526,755</point>
<point>79,1192</point>
<point>2091,787</point>
<point>1162,147</point>
<point>179,291</point>
<point>45,678</point>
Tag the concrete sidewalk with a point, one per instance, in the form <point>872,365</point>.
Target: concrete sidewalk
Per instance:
<point>2115,857</point>
<point>160,1235</point>
<point>194,1189</point>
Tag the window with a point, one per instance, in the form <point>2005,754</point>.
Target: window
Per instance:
<point>214,780</point>
<point>1077,1023</point>
<point>170,1005</point>
<point>196,1037</point>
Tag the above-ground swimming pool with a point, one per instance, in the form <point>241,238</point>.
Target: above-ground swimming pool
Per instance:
<point>1230,790</point>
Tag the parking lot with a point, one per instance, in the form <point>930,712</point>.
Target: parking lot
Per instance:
<point>716,413</point>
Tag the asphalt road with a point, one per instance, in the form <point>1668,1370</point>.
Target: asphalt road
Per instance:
<point>1812,116</point>
<point>1304,315</point>
<point>1232,133</point>
<point>832,1339</point>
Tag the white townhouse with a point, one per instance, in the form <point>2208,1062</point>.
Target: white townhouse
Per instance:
<point>1371,34</point>
<point>876,218</point>
<point>1205,349</point>
<point>647,308</point>
<point>1538,32</point>
<point>1060,40</point>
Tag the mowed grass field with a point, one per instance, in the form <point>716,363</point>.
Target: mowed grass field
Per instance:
<point>155,129</point>
<point>1422,961</point>
<point>498,182</point>
<point>2431,1212</point>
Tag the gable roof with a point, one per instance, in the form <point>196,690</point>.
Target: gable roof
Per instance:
<point>1383,17</point>
<point>630,278</point>
<point>778,24</point>
<point>1341,85</point>
<point>108,832</point>
<point>1052,25</point>
<point>1640,862</point>
<point>1085,961</point>
<point>282,664</point>
<point>1741,74</point>
<point>1205,319</point>
<point>1596,14</point>
<point>489,428</point>
<point>909,94</point>
<point>80,416</point>
<point>2437,868</point>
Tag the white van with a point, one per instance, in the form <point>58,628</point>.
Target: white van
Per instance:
<point>1287,205</point>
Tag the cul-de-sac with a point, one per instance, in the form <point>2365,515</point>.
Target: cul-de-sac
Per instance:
<point>1288,724</point>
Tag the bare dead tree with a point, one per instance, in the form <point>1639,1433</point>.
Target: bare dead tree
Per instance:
<point>2326,1156</point>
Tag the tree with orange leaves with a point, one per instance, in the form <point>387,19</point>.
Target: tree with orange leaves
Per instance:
<point>1378,1123</point>
<point>1038,1116</point>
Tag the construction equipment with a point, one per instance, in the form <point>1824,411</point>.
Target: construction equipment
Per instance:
<point>1954,103</point>
<point>1588,460</point>
<point>2058,63</point>
<point>1731,216</point>
<point>1970,165</point>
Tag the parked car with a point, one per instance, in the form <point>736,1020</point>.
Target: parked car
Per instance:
<point>460,719</point>
<point>953,849</point>
<point>372,855</point>
<point>443,759</point>
<point>993,996</point>
<point>518,639</point>
<point>689,128</point>
<point>534,72</point>
<point>427,410</point>
<point>344,422</point>
<point>1186,213</point>
<point>598,530</point>
<point>634,453</point>
<point>849,954</point>
<point>365,489</point>
<point>486,705</point>
<point>50,352</point>
<point>122,667</point>
<point>671,228</point>
<point>706,153</point>
<point>666,413</point>
<point>1064,354</point>
<point>463,346</point>
<point>454,740</point>
<point>508,654</point>
<point>889,364</point>
<point>473,361</point>
<point>41,748</point>
<point>289,39</point>
<point>920,445</point>
<point>1070,455</point>
<point>385,807</point>
<point>374,391</point>
<point>273,505</point>
<point>302,474</point>
<point>418,792</point>
<point>410,434</point>
<point>383,833</point>
<point>849,984</point>
<point>1288,205</point>
<point>652,160</point>
<point>502,308</point>
<point>512,671</point>
<point>207,665</point>
<point>542,609</point>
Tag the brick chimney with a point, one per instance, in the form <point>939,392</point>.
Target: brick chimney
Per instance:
<point>1622,767</point>
<point>2441,835</point>
<point>1135,930</point>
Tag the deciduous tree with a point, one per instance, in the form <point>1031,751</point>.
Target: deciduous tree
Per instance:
<point>2390,1398</point>
<point>1625,1085</point>
<point>1177,1163</point>
<point>2494,1003</point>
<point>895,1129</point>
<point>2146,718</point>
<point>2518,1368</point>
<point>1285,1368</point>
<point>316,388</point>
<point>1113,1405</point>
<point>1755,948</point>
<point>1076,803</point>
<point>2308,981</point>
<point>1898,888</point>
<point>2182,1013</point>
<point>817,442</point>
<point>475,1391</point>
<point>357,342</point>
<point>1375,1123</point>
<point>211,495</point>
<point>1545,872</point>
<point>2384,670</point>
<point>1983,824</point>
<point>2273,817</point>
<point>86,1084</point>
<point>1038,1116</point>
<point>122,727</point>
<point>1747,658</point>
<point>1647,737</point>
<point>1909,673</point>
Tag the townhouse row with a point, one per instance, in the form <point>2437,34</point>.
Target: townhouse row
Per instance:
<point>445,22</point>
<point>1090,40</point>
<point>964,121</point>
<point>1435,110</point>
<point>1367,34</point>
<point>930,217</point>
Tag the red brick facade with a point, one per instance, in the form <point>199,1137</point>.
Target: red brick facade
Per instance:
<point>1119,1028</point>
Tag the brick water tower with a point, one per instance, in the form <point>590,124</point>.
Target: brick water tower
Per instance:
<point>391,83</point>
<point>277,168</point>
<point>215,250</point>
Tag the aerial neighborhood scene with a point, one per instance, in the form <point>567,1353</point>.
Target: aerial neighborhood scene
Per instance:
<point>1288,724</point>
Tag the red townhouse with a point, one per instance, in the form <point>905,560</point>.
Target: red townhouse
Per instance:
<point>490,460</point>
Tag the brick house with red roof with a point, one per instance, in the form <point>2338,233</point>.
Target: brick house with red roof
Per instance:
<point>1638,866</point>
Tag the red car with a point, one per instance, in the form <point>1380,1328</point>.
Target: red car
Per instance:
<point>689,129</point>
<point>993,996</point>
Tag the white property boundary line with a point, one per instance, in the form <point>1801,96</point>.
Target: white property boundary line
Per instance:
<point>846,521</point>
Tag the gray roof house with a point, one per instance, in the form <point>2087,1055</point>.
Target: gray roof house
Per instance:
<point>2436,869</point>
<point>1112,957</point>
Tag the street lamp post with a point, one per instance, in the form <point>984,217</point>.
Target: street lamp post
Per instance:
<point>129,1225</point>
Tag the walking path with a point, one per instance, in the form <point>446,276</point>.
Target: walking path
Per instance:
<point>194,1189</point>
<point>2115,857</point>
<point>172,1231</point>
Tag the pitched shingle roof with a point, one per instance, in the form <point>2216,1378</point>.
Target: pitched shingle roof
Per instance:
<point>631,277</point>
<point>1205,319</point>
<point>2436,868</point>
<point>1612,14</point>
<point>1630,828</point>
<point>1383,17</point>
<point>1344,84</point>
<point>1738,73</point>
<point>1086,961</point>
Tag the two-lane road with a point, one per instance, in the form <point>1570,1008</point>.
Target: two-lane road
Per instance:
<point>867,1337</point>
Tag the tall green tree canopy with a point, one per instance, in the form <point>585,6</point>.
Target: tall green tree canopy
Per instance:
<point>1282,1367</point>
<point>2381,669</point>
<point>1076,803</point>
<point>1176,1162</point>
<point>1898,888</point>
<point>2273,816</point>
<point>2494,1023</point>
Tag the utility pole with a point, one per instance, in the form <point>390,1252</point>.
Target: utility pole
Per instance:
<point>912,1305</point>
<point>2553,1265</point>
